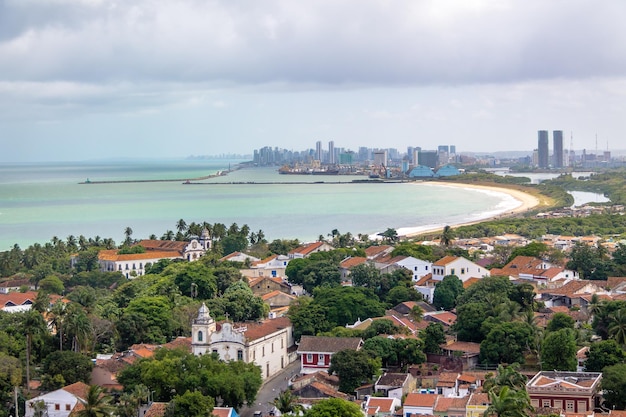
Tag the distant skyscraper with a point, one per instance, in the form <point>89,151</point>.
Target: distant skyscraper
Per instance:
<point>557,138</point>
<point>543,156</point>
<point>318,150</point>
<point>380,157</point>
<point>428,158</point>
<point>452,149</point>
<point>331,152</point>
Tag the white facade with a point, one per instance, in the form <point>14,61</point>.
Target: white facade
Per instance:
<point>59,403</point>
<point>418,267</point>
<point>461,267</point>
<point>264,344</point>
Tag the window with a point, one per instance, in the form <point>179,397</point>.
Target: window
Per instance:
<point>263,351</point>
<point>214,350</point>
<point>569,406</point>
<point>57,406</point>
<point>282,343</point>
<point>200,336</point>
<point>545,403</point>
<point>309,357</point>
<point>320,359</point>
<point>272,347</point>
<point>558,404</point>
<point>582,406</point>
<point>67,407</point>
<point>240,355</point>
<point>453,271</point>
<point>134,266</point>
<point>462,271</point>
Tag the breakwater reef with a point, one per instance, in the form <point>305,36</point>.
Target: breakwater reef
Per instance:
<point>183,180</point>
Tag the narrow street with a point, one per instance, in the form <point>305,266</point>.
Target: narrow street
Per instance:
<point>270,390</point>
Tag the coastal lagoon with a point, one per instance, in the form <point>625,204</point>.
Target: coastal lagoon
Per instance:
<point>39,201</point>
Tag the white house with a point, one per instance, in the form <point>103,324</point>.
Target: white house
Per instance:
<point>418,267</point>
<point>61,402</point>
<point>263,343</point>
<point>304,251</point>
<point>461,267</point>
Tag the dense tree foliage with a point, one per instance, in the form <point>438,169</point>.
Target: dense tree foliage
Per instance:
<point>558,350</point>
<point>334,407</point>
<point>506,343</point>
<point>446,292</point>
<point>614,386</point>
<point>191,404</point>
<point>602,354</point>
<point>354,368</point>
<point>62,368</point>
<point>169,372</point>
<point>433,337</point>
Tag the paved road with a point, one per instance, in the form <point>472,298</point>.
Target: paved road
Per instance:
<point>270,390</point>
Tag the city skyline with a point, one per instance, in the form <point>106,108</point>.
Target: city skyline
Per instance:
<point>85,80</point>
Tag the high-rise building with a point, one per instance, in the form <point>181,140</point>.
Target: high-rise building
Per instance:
<point>428,158</point>
<point>331,152</point>
<point>318,150</point>
<point>452,149</point>
<point>542,148</point>
<point>380,157</point>
<point>557,143</point>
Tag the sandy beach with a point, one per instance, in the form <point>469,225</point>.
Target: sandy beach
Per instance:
<point>526,202</point>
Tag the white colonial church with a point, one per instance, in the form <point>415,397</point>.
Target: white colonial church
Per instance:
<point>264,343</point>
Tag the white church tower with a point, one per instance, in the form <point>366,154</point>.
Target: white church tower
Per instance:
<point>201,329</point>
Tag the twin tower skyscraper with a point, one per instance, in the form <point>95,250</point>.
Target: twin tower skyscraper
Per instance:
<point>543,151</point>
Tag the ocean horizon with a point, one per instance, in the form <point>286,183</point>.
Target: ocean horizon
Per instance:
<point>39,201</point>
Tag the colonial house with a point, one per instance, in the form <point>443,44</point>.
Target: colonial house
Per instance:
<point>571,392</point>
<point>315,389</point>
<point>264,285</point>
<point>11,285</point>
<point>345,266</point>
<point>265,343</point>
<point>417,267</point>
<point>239,257</point>
<point>134,264</point>
<point>374,252</point>
<point>304,251</point>
<point>316,352</point>
<point>61,402</point>
<point>461,267</point>
<point>468,352</point>
<point>477,404</point>
<point>278,299</point>
<point>224,412</point>
<point>131,264</point>
<point>416,403</point>
<point>535,270</point>
<point>381,406</point>
<point>272,266</point>
<point>571,294</point>
<point>451,407</point>
<point>17,302</point>
<point>394,385</point>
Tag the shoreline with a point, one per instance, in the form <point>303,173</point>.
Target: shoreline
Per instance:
<point>526,202</point>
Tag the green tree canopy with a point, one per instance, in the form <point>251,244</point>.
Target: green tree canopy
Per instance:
<point>353,367</point>
<point>558,351</point>
<point>602,354</point>
<point>71,366</point>
<point>614,386</point>
<point>334,407</point>
<point>560,321</point>
<point>190,404</point>
<point>506,343</point>
<point>447,291</point>
<point>433,337</point>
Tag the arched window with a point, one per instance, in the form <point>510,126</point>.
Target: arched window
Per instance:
<point>200,335</point>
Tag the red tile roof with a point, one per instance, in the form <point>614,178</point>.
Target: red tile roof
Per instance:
<point>77,389</point>
<point>113,256</point>
<point>352,262</point>
<point>420,400</point>
<point>258,330</point>
<point>445,260</point>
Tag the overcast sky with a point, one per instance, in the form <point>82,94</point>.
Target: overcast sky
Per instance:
<point>84,79</point>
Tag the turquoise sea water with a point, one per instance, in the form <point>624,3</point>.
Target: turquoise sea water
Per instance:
<point>39,201</point>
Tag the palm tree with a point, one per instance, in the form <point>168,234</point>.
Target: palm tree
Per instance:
<point>181,226</point>
<point>168,235</point>
<point>416,313</point>
<point>78,326</point>
<point>33,324</point>
<point>128,232</point>
<point>286,402</point>
<point>508,403</point>
<point>447,236</point>
<point>97,404</point>
<point>617,328</point>
<point>58,312</point>
<point>71,243</point>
